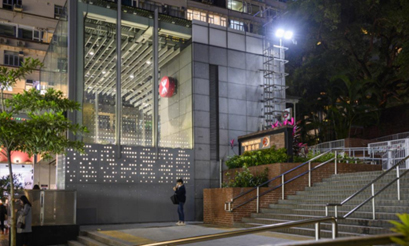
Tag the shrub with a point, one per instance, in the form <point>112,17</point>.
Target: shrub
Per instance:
<point>402,228</point>
<point>341,158</point>
<point>246,179</point>
<point>257,157</point>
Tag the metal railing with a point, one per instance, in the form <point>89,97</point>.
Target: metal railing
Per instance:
<point>246,231</point>
<point>228,205</point>
<point>327,146</point>
<point>384,239</point>
<point>373,193</point>
<point>391,137</point>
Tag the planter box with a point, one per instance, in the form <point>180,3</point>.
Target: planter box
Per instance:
<point>214,199</point>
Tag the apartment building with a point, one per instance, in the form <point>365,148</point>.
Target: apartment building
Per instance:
<point>26,30</point>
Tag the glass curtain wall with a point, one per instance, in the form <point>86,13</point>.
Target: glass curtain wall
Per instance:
<point>54,72</point>
<point>137,66</point>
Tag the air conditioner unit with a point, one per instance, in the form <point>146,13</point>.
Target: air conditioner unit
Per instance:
<point>3,41</point>
<point>21,53</point>
<point>21,43</point>
<point>18,7</point>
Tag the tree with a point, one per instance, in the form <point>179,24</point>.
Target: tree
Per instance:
<point>365,42</point>
<point>43,132</point>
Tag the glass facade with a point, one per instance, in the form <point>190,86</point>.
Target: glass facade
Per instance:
<point>54,73</point>
<point>96,78</point>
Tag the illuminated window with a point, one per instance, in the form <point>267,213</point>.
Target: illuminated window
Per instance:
<point>237,25</point>
<point>236,5</point>
<point>223,21</point>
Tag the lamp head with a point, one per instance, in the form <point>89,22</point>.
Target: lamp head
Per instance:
<point>280,33</point>
<point>288,35</point>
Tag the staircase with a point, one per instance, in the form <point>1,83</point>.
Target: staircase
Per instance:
<point>311,203</point>
<point>96,239</point>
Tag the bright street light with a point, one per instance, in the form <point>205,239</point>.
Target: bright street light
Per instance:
<point>288,35</point>
<point>280,33</point>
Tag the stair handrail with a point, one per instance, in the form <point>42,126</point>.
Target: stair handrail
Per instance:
<point>202,238</point>
<point>373,194</point>
<point>228,205</point>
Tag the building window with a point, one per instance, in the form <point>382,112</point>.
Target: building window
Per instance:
<point>8,4</point>
<point>13,58</point>
<point>237,25</point>
<point>235,5</point>
<point>196,15</point>
<point>59,12</point>
<point>7,30</point>
<point>202,16</point>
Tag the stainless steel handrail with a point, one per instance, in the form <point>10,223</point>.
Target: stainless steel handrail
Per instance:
<point>246,231</point>
<point>384,239</point>
<point>373,194</point>
<point>228,205</point>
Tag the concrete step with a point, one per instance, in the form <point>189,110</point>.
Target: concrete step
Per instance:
<point>350,187</point>
<point>104,239</point>
<point>321,207</point>
<point>89,241</point>
<point>327,226</point>
<point>358,182</point>
<point>343,192</point>
<point>297,217</point>
<point>339,197</point>
<point>389,177</point>
<point>302,231</point>
<point>380,202</point>
<point>74,243</point>
<point>357,214</point>
<point>348,221</point>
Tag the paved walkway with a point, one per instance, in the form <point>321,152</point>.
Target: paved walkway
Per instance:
<point>139,234</point>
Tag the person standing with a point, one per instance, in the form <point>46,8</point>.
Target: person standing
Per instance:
<point>3,213</point>
<point>180,192</point>
<point>24,216</point>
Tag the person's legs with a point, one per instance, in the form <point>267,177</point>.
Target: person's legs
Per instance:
<point>181,212</point>
<point>2,226</point>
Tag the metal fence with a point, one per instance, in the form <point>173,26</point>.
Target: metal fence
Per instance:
<point>391,152</point>
<point>392,137</point>
<point>322,147</point>
<point>53,207</point>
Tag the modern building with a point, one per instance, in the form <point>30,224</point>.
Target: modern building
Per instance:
<point>191,79</point>
<point>26,30</point>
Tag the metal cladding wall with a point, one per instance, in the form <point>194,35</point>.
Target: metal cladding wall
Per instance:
<point>228,63</point>
<point>135,188</point>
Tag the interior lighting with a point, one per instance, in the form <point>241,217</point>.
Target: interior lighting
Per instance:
<point>132,76</point>
<point>104,72</point>
<point>148,62</point>
<point>91,53</point>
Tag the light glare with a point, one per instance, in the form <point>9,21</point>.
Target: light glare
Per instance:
<point>280,33</point>
<point>288,35</point>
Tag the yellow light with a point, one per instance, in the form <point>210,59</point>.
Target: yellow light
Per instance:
<point>319,43</point>
<point>364,31</point>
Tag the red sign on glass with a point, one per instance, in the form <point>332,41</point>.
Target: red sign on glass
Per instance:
<point>167,86</point>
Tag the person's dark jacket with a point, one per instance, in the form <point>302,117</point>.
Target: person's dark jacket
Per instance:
<point>3,212</point>
<point>181,193</point>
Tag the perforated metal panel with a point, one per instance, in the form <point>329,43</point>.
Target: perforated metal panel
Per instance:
<point>135,188</point>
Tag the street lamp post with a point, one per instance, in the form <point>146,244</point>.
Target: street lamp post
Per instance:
<point>274,98</point>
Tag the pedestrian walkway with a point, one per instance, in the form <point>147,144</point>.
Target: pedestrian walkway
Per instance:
<point>4,239</point>
<point>139,234</point>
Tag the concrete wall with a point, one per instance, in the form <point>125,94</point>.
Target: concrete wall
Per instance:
<point>238,57</point>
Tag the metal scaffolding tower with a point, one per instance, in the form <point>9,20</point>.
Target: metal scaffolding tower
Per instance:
<point>274,82</point>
